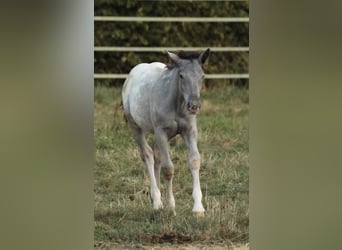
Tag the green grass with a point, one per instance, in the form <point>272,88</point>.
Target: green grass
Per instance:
<point>123,210</point>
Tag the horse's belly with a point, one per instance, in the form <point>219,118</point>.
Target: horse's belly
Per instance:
<point>142,118</point>
<point>139,107</point>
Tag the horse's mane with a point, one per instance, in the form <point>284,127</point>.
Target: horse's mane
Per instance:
<point>186,55</point>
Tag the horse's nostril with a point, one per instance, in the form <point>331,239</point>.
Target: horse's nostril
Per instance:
<point>193,105</point>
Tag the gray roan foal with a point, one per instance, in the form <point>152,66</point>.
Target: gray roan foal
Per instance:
<point>164,100</point>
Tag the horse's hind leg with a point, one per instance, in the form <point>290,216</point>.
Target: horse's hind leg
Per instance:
<point>146,154</point>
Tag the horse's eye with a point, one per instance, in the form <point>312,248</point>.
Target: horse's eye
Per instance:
<point>181,76</point>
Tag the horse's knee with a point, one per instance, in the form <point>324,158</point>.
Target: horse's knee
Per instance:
<point>168,172</point>
<point>146,155</point>
<point>195,161</point>
<point>156,155</point>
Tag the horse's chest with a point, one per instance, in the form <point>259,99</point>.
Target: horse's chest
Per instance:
<point>183,125</point>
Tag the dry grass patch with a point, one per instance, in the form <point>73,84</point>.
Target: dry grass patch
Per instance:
<point>123,212</point>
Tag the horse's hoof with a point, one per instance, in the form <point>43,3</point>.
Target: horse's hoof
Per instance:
<point>157,205</point>
<point>199,213</point>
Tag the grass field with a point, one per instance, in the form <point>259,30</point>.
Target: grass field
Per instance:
<point>123,211</point>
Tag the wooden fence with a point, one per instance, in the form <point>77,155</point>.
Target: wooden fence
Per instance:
<point>163,49</point>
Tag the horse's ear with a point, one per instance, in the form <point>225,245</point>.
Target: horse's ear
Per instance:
<point>174,58</point>
<point>204,56</point>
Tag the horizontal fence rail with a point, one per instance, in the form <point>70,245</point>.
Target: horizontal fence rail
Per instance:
<point>171,19</point>
<point>209,76</point>
<point>163,49</point>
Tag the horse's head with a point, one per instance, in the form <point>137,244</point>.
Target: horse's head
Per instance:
<point>190,76</point>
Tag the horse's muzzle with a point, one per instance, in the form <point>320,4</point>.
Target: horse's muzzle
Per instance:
<point>194,106</point>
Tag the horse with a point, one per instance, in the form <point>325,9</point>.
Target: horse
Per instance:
<point>164,100</point>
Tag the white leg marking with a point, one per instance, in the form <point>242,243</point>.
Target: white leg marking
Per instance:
<point>197,193</point>
<point>195,162</point>
<point>155,194</point>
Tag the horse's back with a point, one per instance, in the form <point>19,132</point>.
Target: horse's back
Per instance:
<point>143,70</point>
<point>141,75</point>
<point>136,92</point>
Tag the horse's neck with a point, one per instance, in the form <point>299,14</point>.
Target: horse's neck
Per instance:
<point>173,95</point>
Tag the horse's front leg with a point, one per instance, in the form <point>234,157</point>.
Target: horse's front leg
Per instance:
<point>167,167</point>
<point>190,138</point>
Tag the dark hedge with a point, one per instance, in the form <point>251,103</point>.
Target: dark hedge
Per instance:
<point>170,34</point>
